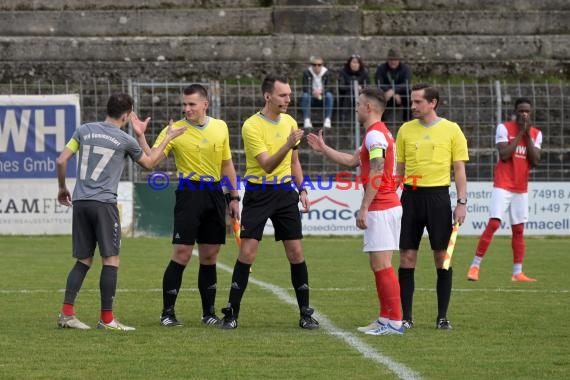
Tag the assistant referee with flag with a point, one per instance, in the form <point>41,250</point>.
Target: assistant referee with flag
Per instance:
<point>427,147</point>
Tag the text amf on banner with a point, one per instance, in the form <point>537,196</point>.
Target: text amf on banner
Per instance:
<point>30,207</point>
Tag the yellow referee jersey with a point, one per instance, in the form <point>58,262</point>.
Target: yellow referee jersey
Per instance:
<point>261,134</point>
<point>429,151</point>
<point>201,149</point>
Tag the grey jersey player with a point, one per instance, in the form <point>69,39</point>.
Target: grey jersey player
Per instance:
<point>103,148</point>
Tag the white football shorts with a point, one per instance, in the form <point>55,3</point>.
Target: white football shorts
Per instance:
<point>383,232</point>
<point>515,203</point>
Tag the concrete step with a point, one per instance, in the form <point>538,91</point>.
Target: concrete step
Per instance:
<point>147,22</point>
<point>459,22</point>
<point>318,20</point>
<point>125,4</point>
<point>77,69</point>
<point>283,20</point>
<point>461,4</point>
<point>286,48</point>
<point>369,4</point>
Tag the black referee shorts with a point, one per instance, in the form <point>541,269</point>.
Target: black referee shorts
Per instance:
<point>95,223</point>
<point>426,207</point>
<point>199,215</point>
<point>276,203</point>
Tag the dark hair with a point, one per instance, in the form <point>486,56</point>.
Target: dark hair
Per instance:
<point>196,89</point>
<point>430,92</point>
<point>269,82</point>
<point>376,94</point>
<point>118,104</point>
<point>521,101</point>
<point>394,53</point>
<point>360,62</point>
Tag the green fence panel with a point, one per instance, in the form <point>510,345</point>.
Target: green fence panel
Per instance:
<point>153,209</point>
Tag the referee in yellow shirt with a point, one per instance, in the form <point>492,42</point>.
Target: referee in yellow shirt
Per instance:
<point>201,154</point>
<point>273,172</point>
<point>426,148</point>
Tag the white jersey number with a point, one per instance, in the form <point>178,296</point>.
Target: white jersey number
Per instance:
<point>106,155</point>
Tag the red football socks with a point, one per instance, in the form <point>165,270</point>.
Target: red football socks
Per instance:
<point>388,290</point>
<point>487,237</point>
<point>518,243</point>
<point>107,316</point>
<point>67,309</point>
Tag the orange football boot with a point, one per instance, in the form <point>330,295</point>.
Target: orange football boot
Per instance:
<point>473,274</point>
<point>521,277</point>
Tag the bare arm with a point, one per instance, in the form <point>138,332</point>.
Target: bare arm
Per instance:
<point>268,163</point>
<point>400,169</point>
<point>376,170</point>
<point>63,195</point>
<point>532,152</point>
<point>139,127</point>
<point>506,150</point>
<point>297,172</point>
<point>229,172</point>
<point>144,145</point>
<point>461,186</point>
<point>318,144</point>
<point>157,154</point>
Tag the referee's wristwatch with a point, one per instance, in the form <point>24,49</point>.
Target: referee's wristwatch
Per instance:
<point>230,198</point>
<point>462,201</point>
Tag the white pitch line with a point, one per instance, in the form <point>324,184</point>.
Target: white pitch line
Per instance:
<point>353,341</point>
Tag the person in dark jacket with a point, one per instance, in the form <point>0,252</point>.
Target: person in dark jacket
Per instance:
<point>353,71</point>
<point>394,78</point>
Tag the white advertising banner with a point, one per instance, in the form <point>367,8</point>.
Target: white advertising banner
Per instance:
<point>33,131</point>
<point>30,207</point>
<point>548,206</point>
<point>333,210</point>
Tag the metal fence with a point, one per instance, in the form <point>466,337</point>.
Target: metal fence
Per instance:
<point>477,108</point>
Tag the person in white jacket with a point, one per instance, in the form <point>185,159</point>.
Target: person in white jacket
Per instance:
<point>316,92</point>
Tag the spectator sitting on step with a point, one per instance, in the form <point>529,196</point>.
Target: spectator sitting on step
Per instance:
<point>394,78</point>
<point>316,92</point>
<point>353,71</point>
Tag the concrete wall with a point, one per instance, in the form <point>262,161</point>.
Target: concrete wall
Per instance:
<point>137,23</point>
<point>501,5</point>
<point>472,22</point>
<point>178,39</point>
<point>125,4</point>
<point>338,21</point>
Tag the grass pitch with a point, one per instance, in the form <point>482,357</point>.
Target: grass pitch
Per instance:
<point>501,329</point>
